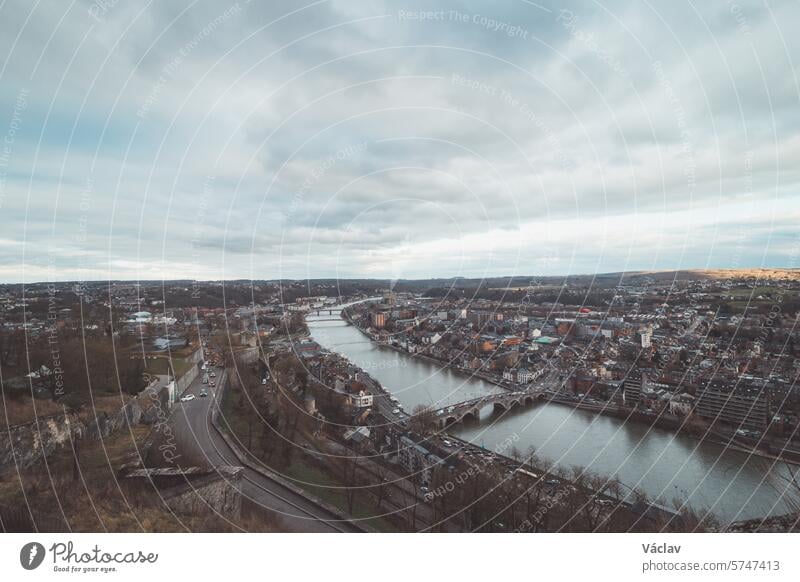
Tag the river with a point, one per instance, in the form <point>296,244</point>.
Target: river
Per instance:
<point>730,484</point>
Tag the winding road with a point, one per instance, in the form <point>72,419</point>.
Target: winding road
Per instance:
<point>197,442</point>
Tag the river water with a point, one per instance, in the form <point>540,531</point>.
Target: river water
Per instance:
<point>730,484</point>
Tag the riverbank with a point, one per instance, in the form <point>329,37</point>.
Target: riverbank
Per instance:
<point>664,421</point>
<point>667,466</point>
<point>428,358</point>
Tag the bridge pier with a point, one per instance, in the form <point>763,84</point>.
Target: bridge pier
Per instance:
<point>472,415</point>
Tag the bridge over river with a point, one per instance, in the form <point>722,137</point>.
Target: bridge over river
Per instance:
<point>471,409</point>
<point>665,465</point>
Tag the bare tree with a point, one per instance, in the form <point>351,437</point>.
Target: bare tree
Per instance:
<point>423,420</point>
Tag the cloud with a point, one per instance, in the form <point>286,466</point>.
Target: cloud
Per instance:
<point>199,139</point>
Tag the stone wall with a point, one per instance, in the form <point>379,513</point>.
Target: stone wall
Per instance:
<point>219,493</point>
<point>184,381</point>
<point>195,357</point>
<point>194,490</point>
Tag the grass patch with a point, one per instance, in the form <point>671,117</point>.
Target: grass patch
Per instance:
<point>232,420</point>
<point>95,501</point>
<point>325,487</point>
<point>23,410</point>
<point>167,365</point>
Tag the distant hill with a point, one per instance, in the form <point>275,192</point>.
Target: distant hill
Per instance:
<point>509,281</point>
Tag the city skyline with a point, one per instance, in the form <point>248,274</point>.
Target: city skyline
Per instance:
<point>511,281</point>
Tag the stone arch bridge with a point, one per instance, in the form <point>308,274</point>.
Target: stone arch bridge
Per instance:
<point>471,409</point>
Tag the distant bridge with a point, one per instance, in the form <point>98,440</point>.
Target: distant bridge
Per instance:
<point>324,310</point>
<point>471,409</point>
<point>333,313</point>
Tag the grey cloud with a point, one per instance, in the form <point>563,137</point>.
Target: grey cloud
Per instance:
<point>569,119</point>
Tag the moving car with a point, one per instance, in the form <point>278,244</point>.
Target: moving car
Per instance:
<point>203,393</point>
<point>187,398</point>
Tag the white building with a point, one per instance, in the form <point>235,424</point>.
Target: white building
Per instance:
<point>521,375</point>
<point>361,400</point>
<point>647,336</point>
<point>141,317</point>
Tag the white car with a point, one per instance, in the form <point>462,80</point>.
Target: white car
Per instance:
<point>396,411</point>
<point>187,398</point>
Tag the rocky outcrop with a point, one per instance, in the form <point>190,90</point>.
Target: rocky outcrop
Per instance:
<point>24,444</point>
<point>103,424</point>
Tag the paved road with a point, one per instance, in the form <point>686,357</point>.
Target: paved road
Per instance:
<point>197,443</point>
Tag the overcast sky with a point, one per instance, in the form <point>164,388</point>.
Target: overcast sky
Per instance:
<point>369,139</point>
